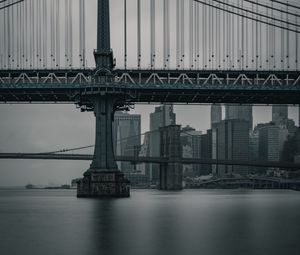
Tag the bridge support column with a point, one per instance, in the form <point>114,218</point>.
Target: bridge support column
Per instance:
<point>103,179</point>
<point>170,173</point>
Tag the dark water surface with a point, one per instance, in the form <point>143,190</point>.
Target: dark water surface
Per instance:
<point>150,222</point>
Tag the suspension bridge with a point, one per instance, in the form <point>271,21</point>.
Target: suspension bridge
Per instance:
<point>170,51</point>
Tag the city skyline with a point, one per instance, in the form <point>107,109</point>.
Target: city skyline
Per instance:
<point>32,128</point>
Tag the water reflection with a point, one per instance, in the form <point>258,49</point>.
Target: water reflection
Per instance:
<point>151,222</point>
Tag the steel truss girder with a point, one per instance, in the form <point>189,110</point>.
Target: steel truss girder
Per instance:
<point>173,86</point>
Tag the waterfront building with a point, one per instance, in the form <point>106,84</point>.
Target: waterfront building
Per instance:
<point>126,137</point>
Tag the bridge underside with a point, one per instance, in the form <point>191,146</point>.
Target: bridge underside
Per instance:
<point>147,86</point>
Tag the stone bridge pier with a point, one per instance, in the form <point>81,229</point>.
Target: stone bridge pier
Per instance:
<point>103,179</point>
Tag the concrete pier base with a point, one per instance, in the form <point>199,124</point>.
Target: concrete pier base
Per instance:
<point>96,184</point>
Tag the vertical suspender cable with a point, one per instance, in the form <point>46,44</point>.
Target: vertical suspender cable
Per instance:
<point>288,40</point>
<point>246,53</point>
<point>52,32</point>
<point>139,52</point>
<point>297,49</point>
<point>34,33</point>
<point>45,30</point>
<point>233,41</point>
<point>30,34</point>
<point>80,33</point>
<point>17,35</point>
<point>164,34</point>
<point>243,40</point>
<point>168,34</point>
<point>152,36</point>
<point>57,33</point>
<point>23,33</point>
<point>191,31</point>
<point>37,32</point>
<point>219,37</point>
<point>224,34</point>
<point>40,10</point>
<point>4,39</point>
<point>282,43</point>
<point>83,34</point>
<point>8,37</point>
<point>182,33</point>
<point>205,36</point>
<point>2,33</point>
<point>66,34</point>
<point>213,40</point>
<point>273,41</point>
<point>177,35</point>
<point>256,37</point>
<point>71,31</point>
<point>268,43</point>
<point>2,36</point>
<point>209,34</point>
<point>196,33</point>
<point>125,34</point>
<point>228,32</point>
<point>13,51</point>
<point>253,37</point>
<point>26,34</point>
<point>260,44</point>
<point>239,33</point>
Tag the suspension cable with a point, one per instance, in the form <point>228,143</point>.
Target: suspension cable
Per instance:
<point>272,7</point>
<point>125,34</point>
<point>286,4</point>
<point>139,51</point>
<point>246,16</point>
<point>257,13</point>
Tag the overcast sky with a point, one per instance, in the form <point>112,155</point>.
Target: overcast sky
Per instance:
<point>41,128</point>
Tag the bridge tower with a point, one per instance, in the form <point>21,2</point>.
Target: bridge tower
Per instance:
<point>170,147</point>
<point>103,179</point>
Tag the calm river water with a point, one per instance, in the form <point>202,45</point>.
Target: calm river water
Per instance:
<point>200,222</point>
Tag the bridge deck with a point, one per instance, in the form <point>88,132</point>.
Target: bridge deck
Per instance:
<point>160,86</point>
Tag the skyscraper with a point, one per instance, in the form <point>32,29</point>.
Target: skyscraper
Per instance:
<point>271,140</point>
<point>239,112</point>
<point>279,114</point>
<point>215,114</point>
<point>161,117</point>
<point>191,148</point>
<point>206,151</point>
<point>126,137</point>
<point>230,140</point>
